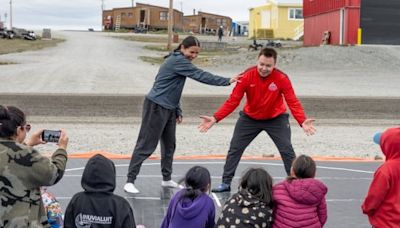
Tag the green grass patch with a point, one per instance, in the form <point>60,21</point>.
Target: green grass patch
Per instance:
<point>20,45</point>
<point>144,39</point>
<point>6,63</point>
<point>204,59</point>
<point>152,60</point>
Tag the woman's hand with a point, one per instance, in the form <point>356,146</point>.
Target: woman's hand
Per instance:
<point>35,139</point>
<point>63,142</point>
<point>235,78</point>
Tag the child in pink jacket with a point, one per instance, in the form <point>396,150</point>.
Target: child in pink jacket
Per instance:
<point>300,199</point>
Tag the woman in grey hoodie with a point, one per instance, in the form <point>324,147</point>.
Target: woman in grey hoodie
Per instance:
<point>161,109</point>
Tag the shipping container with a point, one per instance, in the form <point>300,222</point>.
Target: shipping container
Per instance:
<point>380,22</point>
<point>315,7</point>
<point>341,18</point>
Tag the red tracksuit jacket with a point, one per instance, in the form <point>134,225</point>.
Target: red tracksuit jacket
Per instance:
<point>265,97</point>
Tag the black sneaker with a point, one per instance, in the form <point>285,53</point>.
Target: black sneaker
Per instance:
<point>222,188</point>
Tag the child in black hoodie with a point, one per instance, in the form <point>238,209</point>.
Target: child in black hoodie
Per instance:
<point>97,206</point>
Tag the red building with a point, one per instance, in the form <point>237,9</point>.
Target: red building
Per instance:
<point>341,18</point>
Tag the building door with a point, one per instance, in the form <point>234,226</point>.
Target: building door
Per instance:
<point>203,28</point>
<point>142,18</point>
<point>266,19</point>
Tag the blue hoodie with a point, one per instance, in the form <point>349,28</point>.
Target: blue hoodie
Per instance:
<point>170,80</point>
<point>199,213</point>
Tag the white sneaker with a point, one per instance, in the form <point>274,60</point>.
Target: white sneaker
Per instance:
<point>130,188</point>
<point>171,184</point>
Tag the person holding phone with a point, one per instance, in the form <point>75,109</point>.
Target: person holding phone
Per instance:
<point>162,111</point>
<point>23,170</point>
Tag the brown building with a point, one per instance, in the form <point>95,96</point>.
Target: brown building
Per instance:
<point>206,23</point>
<point>141,16</point>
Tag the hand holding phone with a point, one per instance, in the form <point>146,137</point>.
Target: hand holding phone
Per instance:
<point>51,136</point>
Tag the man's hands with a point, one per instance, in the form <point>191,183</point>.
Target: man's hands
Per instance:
<point>207,123</point>
<point>308,126</point>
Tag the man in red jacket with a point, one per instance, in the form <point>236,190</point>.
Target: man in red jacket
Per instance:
<point>267,89</point>
<point>382,203</point>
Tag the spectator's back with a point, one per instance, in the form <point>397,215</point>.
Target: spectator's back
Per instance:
<point>97,206</point>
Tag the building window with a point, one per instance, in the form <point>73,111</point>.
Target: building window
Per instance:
<point>295,13</point>
<point>123,14</point>
<point>130,14</point>
<point>219,21</point>
<point>163,16</point>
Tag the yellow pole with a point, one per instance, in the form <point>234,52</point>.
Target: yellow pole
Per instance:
<point>359,37</point>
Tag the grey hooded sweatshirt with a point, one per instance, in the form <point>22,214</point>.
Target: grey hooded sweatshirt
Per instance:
<point>171,77</point>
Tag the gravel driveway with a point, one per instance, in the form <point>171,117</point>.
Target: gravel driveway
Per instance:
<point>96,65</point>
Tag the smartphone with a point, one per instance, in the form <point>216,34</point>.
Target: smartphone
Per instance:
<point>51,136</point>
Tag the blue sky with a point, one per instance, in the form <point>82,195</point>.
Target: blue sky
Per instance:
<point>83,14</point>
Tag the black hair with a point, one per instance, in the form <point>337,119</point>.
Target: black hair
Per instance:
<point>258,182</point>
<point>304,167</point>
<point>268,52</point>
<point>188,42</point>
<point>10,119</point>
<point>197,180</point>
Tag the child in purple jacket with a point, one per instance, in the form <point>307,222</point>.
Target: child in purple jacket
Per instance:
<point>192,207</point>
<point>299,201</point>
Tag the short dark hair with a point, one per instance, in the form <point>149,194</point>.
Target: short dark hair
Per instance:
<point>268,52</point>
<point>258,182</point>
<point>10,119</point>
<point>304,167</point>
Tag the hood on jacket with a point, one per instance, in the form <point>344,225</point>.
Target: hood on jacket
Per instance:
<point>307,191</point>
<point>189,209</point>
<point>390,143</point>
<point>99,175</point>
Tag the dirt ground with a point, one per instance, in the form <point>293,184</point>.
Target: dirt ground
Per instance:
<point>93,86</point>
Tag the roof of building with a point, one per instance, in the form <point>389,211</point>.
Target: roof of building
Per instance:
<point>287,1</point>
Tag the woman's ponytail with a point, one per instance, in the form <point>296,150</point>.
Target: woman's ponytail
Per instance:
<point>10,119</point>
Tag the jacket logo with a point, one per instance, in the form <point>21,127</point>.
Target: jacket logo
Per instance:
<point>272,87</point>
<point>252,85</point>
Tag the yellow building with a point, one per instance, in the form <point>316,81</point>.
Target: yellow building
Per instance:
<point>281,19</point>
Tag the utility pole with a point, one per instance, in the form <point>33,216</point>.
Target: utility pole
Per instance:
<point>133,3</point>
<point>170,24</point>
<point>11,15</point>
<point>5,19</point>
<point>182,15</point>
<point>102,15</point>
